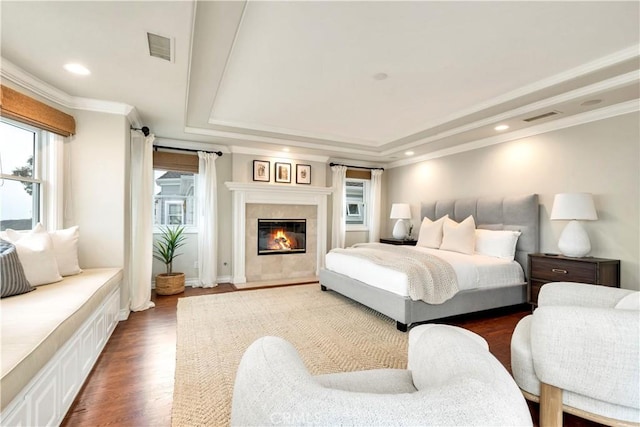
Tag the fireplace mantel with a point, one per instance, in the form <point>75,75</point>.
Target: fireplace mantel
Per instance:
<point>248,192</point>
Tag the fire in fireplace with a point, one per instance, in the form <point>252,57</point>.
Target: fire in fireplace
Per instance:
<point>282,236</point>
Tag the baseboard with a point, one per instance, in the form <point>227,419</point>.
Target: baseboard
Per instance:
<point>123,314</point>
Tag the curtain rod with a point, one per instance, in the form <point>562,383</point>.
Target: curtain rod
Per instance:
<point>155,147</point>
<point>355,167</point>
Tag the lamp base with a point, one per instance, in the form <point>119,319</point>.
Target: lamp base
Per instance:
<point>574,240</point>
<point>400,230</point>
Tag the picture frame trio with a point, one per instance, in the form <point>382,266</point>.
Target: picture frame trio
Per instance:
<point>282,172</point>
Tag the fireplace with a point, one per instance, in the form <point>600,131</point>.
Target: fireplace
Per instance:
<point>282,236</point>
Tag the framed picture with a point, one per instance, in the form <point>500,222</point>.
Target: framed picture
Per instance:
<point>283,172</point>
<point>261,171</point>
<point>353,209</point>
<point>303,174</point>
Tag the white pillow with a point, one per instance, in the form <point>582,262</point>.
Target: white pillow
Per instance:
<point>65,246</point>
<point>430,234</point>
<point>459,237</point>
<point>630,302</point>
<point>497,243</point>
<point>35,251</point>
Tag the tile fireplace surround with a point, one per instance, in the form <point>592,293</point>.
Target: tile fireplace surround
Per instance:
<point>299,198</point>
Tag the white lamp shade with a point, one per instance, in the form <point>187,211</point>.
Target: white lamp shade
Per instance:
<point>569,206</point>
<point>400,211</point>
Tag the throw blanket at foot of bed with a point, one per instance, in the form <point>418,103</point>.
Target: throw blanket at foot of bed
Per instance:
<point>431,279</point>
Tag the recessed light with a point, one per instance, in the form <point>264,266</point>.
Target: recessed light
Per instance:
<point>380,76</point>
<point>78,69</point>
<point>501,127</point>
<point>285,149</point>
<point>409,153</point>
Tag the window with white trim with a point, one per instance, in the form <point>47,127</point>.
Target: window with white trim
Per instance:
<point>174,198</point>
<point>21,175</point>
<point>357,197</point>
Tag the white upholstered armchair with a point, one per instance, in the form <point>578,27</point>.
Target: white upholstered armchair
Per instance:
<point>580,352</point>
<point>451,379</point>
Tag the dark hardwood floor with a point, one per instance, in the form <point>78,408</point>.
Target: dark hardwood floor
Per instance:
<point>132,382</point>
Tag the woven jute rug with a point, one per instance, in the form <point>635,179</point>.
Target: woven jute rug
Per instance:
<point>331,332</point>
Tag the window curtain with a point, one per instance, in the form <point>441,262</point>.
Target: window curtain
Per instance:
<point>338,228</point>
<point>141,235</point>
<point>207,220</point>
<point>374,205</point>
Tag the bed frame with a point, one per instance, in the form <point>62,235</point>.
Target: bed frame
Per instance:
<point>508,213</point>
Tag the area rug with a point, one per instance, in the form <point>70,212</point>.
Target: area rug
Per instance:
<point>331,332</point>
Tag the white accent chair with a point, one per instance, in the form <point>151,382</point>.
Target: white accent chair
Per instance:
<point>452,379</point>
<point>579,352</point>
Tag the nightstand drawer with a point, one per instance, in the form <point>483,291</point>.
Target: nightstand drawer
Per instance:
<point>564,270</point>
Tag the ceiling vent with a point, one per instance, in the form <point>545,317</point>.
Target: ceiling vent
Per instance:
<point>541,116</point>
<point>160,47</point>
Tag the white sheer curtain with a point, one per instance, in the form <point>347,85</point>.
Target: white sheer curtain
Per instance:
<point>338,228</point>
<point>374,205</point>
<point>207,220</point>
<point>141,236</point>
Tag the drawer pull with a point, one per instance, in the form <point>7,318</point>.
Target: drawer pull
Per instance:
<point>558,270</point>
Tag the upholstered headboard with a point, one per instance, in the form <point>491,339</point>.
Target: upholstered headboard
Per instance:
<point>502,213</point>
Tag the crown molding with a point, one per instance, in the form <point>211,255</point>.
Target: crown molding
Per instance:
<point>566,122</point>
<point>278,154</point>
<point>613,83</point>
<point>576,72</point>
<point>25,80</point>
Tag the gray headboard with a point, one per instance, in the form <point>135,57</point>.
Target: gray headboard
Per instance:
<point>504,213</point>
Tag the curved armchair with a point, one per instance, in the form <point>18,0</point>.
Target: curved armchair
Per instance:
<point>452,380</point>
<point>580,352</point>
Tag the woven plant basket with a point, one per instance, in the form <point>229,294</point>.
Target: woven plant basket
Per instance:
<point>169,284</point>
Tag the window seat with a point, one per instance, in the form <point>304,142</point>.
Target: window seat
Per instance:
<point>51,337</point>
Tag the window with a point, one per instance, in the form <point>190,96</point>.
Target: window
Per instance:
<point>21,180</point>
<point>357,193</point>
<point>174,198</point>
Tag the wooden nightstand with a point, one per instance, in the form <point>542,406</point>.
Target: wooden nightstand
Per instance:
<point>392,241</point>
<point>545,268</point>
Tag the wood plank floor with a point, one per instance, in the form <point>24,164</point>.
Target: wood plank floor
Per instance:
<point>132,382</point>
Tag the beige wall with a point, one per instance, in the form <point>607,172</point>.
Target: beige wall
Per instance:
<point>601,157</point>
<point>96,197</point>
<point>243,169</point>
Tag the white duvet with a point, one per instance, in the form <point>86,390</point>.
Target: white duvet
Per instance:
<point>472,271</point>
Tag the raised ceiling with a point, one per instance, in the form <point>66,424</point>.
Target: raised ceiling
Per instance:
<point>349,80</point>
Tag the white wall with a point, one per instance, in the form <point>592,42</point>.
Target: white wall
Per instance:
<point>96,195</point>
<point>601,157</point>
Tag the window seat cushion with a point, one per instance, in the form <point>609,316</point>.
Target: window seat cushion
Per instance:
<point>36,325</point>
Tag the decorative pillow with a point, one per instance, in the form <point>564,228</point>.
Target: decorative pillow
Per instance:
<point>65,246</point>
<point>630,302</point>
<point>459,237</point>
<point>430,234</point>
<point>497,243</point>
<point>35,250</point>
<point>12,278</point>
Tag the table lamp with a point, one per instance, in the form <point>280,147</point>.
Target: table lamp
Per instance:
<point>401,212</point>
<point>574,240</point>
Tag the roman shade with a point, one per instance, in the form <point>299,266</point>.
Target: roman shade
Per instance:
<point>22,108</point>
<point>176,162</point>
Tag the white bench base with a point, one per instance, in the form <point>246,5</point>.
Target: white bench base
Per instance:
<point>49,395</point>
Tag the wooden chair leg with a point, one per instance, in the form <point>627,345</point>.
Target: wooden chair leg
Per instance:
<point>550,406</point>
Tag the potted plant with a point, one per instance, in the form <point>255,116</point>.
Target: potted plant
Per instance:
<point>165,250</point>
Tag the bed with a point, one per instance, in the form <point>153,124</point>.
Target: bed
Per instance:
<point>506,213</point>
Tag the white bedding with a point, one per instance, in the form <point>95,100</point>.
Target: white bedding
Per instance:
<point>472,271</point>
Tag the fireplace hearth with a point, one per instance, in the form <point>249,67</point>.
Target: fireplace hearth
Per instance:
<point>282,236</point>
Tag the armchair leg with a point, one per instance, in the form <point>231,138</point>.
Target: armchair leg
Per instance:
<point>550,406</point>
